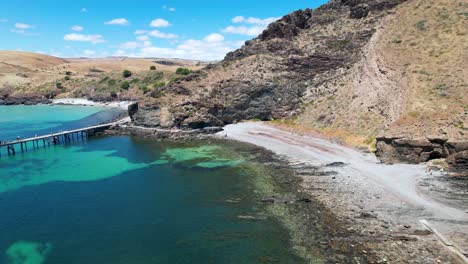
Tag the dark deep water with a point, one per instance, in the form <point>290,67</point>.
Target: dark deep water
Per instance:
<point>128,200</point>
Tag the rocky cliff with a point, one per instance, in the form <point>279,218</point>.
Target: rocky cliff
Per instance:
<point>387,69</point>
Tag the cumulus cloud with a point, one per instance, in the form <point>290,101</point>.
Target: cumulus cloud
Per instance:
<point>159,22</point>
<point>130,45</point>
<point>242,30</point>
<point>117,21</point>
<point>143,38</point>
<point>211,47</point>
<point>215,37</point>
<point>253,26</point>
<point>159,34</point>
<point>77,28</point>
<point>84,38</point>
<point>84,10</point>
<point>140,31</point>
<point>254,20</point>
<point>23,26</point>
<point>171,9</point>
<point>89,53</point>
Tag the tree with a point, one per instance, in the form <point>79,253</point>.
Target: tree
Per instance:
<point>183,71</point>
<point>152,68</point>
<point>125,85</point>
<point>126,73</point>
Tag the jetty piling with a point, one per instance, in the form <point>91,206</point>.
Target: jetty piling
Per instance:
<point>55,138</point>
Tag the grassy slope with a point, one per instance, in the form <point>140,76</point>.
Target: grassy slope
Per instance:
<point>412,80</point>
<point>24,72</point>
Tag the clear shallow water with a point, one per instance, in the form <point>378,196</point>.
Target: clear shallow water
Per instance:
<point>127,200</point>
<point>27,121</point>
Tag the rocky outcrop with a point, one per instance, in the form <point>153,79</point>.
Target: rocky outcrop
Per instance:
<point>132,109</point>
<point>458,163</point>
<point>24,99</point>
<point>271,76</point>
<point>400,149</point>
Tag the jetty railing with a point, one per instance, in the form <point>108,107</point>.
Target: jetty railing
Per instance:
<point>21,145</point>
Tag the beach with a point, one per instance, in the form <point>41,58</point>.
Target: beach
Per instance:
<point>385,204</point>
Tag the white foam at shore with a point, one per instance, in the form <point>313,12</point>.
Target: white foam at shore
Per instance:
<point>85,102</point>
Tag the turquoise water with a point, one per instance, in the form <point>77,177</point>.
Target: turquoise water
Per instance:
<point>129,200</point>
<point>27,121</point>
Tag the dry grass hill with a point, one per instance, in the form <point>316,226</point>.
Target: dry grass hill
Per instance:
<point>30,76</point>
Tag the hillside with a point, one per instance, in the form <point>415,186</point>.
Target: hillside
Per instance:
<point>31,78</point>
<point>356,70</point>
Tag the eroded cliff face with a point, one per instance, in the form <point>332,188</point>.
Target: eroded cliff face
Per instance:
<point>360,66</point>
<point>272,76</point>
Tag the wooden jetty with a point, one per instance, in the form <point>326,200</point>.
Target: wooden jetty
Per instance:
<point>52,139</point>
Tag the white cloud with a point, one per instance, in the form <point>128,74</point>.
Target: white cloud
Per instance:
<point>84,10</point>
<point>159,34</point>
<point>77,28</point>
<point>254,20</point>
<point>159,22</point>
<point>215,37</point>
<point>212,47</point>
<point>253,26</point>
<point>140,31</point>
<point>238,19</point>
<point>171,9</point>
<point>120,52</point>
<point>130,45</point>
<point>117,21</point>
<point>84,38</point>
<point>23,26</point>
<point>242,30</point>
<point>143,38</point>
<point>18,31</point>
<point>89,53</point>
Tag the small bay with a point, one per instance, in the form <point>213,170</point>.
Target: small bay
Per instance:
<point>121,199</point>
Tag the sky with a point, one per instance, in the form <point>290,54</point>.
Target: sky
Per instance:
<point>200,30</point>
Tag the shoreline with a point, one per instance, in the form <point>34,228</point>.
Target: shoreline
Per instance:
<point>384,204</point>
<point>86,102</point>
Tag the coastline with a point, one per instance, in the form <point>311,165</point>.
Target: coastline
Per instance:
<point>384,205</point>
<point>86,102</point>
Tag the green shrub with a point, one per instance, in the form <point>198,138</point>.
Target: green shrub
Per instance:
<point>183,71</point>
<point>67,78</point>
<point>159,85</point>
<point>111,82</point>
<point>126,73</point>
<point>59,85</point>
<point>125,85</point>
<point>421,25</point>
<point>68,73</point>
<point>113,94</point>
<point>144,88</point>
<point>152,68</point>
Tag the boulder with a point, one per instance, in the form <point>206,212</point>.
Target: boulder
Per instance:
<point>359,11</point>
<point>409,150</point>
<point>458,163</point>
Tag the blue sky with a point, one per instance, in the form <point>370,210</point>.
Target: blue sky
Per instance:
<point>204,30</point>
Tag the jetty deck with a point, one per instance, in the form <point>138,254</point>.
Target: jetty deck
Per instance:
<point>52,139</point>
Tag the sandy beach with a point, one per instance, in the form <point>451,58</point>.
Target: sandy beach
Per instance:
<point>382,202</point>
<point>85,102</point>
